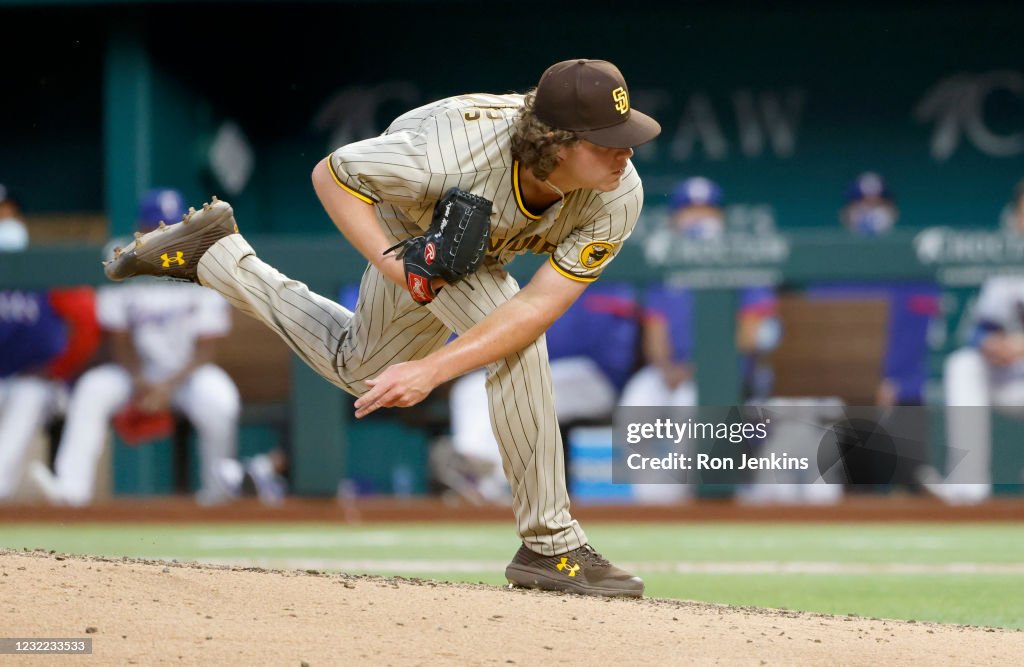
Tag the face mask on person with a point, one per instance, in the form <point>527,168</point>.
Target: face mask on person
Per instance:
<point>703,228</point>
<point>769,333</point>
<point>700,223</point>
<point>872,220</point>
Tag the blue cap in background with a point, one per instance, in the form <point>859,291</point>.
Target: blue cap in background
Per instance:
<point>868,184</point>
<point>696,191</point>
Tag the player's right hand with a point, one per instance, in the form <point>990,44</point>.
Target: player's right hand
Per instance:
<point>674,374</point>
<point>152,397</point>
<point>399,386</point>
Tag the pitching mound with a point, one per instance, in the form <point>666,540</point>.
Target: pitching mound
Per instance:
<point>155,613</point>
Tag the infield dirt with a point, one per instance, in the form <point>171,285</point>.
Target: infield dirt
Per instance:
<point>156,613</point>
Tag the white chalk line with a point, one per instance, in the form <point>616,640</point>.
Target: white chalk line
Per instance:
<point>322,540</point>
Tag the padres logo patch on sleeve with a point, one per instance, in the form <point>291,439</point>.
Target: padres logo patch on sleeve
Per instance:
<point>595,254</point>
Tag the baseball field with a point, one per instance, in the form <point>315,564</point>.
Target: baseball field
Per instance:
<point>362,591</point>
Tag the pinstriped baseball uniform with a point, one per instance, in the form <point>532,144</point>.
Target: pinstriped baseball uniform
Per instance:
<point>456,142</point>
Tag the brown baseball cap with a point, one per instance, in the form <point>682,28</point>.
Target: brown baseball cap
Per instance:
<point>590,98</point>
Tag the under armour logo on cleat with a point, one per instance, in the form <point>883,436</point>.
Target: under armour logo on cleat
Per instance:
<point>563,564</point>
<point>177,258</point>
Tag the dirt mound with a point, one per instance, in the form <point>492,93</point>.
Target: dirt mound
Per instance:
<point>153,613</point>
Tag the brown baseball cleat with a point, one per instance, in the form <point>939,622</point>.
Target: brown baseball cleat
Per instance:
<point>582,571</point>
<point>173,251</point>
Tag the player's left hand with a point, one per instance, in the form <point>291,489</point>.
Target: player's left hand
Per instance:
<point>453,247</point>
<point>399,386</point>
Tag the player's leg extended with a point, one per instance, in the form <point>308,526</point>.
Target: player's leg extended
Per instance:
<point>523,416</point>
<point>345,347</point>
<point>207,248</point>
<point>312,326</point>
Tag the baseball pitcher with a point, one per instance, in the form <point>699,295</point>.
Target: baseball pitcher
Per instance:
<point>438,204</point>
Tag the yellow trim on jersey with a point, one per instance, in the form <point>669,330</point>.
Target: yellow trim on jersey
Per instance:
<point>579,279</point>
<point>354,193</point>
<point>519,194</point>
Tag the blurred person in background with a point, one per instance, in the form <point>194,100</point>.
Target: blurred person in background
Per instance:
<point>46,337</point>
<point>667,375</point>
<point>162,338</point>
<point>870,209</point>
<point>667,336</point>
<point>264,475</point>
<point>987,373</point>
<point>1012,216</point>
<point>13,232</point>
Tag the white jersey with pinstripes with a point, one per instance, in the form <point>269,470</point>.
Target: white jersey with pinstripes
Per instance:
<point>465,142</point>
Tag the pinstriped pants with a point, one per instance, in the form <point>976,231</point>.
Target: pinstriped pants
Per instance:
<point>347,348</point>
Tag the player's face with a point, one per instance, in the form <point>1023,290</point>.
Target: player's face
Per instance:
<point>593,167</point>
<point>9,210</point>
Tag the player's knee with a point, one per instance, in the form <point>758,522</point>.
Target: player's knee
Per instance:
<point>214,394</point>
<point>31,389</point>
<point>220,406</point>
<point>103,387</point>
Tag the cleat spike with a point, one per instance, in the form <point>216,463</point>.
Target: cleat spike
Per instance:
<point>184,217</point>
<point>160,256</point>
<point>213,199</point>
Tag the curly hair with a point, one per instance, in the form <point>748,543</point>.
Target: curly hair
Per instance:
<point>535,144</point>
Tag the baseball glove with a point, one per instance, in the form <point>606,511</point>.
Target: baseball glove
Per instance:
<point>453,247</point>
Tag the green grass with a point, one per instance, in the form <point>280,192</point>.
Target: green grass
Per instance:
<point>991,600</point>
<point>475,552</point>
